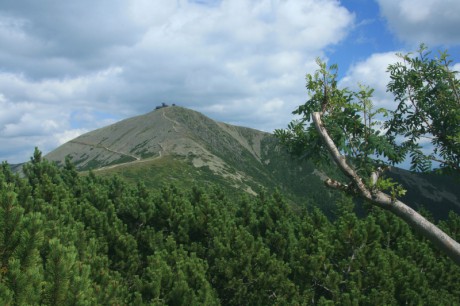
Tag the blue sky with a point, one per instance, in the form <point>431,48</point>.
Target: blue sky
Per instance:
<point>370,35</point>
<point>68,67</point>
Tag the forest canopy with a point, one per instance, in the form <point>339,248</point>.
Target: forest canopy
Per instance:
<point>67,239</point>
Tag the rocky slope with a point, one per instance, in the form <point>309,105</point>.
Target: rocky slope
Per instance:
<point>239,157</point>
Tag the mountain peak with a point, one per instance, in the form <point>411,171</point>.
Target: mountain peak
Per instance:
<point>181,145</point>
<point>166,131</point>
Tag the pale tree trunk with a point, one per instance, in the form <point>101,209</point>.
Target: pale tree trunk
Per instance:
<point>443,241</point>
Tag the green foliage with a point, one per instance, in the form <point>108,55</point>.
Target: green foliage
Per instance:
<point>67,239</point>
<point>350,119</point>
<point>346,131</point>
<point>393,188</point>
<point>59,265</point>
<point>428,94</point>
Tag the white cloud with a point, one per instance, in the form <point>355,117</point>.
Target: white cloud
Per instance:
<point>456,67</point>
<point>18,88</point>
<point>372,72</point>
<point>434,22</point>
<point>239,61</point>
<point>39,113</point>
<point>68,135</point>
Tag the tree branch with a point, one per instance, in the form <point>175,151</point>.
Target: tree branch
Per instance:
<point>443,241</point>
<point>446,162</point>
<point>337,157</point>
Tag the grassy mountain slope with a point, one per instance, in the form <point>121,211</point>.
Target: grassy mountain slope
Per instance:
<point>184,147</point>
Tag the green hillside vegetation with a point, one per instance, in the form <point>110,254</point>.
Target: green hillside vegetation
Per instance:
<point>278,171</point>
<point>155,173</point>
<point>68,239</point>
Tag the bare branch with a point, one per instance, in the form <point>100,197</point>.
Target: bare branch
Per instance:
<point>335,184</point>
<point>383,200</point>
<point>337,157</point>
<point>445,162</point>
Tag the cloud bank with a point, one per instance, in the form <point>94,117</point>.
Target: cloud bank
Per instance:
<point>434,22</point>
<point>70,67</point>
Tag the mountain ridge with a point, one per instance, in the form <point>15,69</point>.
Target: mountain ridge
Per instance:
<point>179,145</point>
<point>238,154</point>
<point>145,136</point>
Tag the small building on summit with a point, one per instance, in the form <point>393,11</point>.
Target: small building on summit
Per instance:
<point>162,105</point>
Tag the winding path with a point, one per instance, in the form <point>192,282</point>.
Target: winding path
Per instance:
<point>137,159</point>
<point>107,149</point>
<point>174,122</point>
<point>132,162</point>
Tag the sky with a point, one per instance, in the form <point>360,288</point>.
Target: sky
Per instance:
<point>69,67</point>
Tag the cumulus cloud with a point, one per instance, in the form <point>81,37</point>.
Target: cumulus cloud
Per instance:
<point>372,72</point>
<point>69,67</point>
<point>456,67</point>
<point>41,113</point>
<point>434,22</point>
